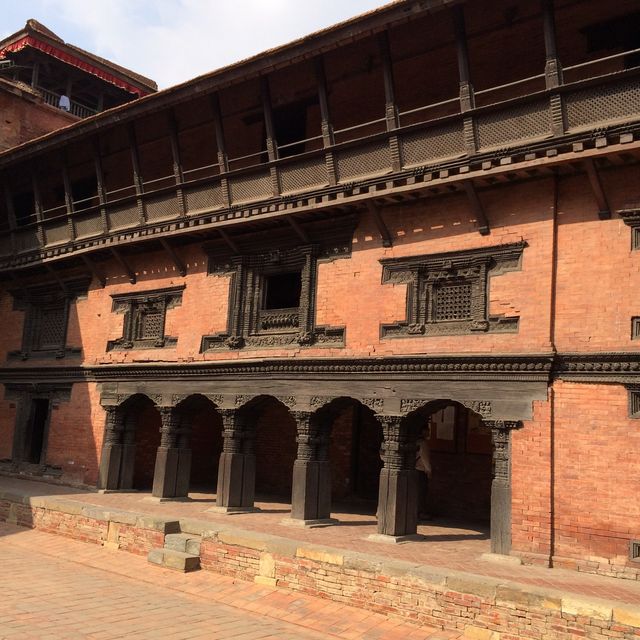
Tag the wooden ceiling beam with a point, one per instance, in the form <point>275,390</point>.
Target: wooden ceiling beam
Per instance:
<point>93,270</point>
<point>604,210</point>
<point>387,240</point>
<point>180,265</point>
<point>476,207</point>
<point>124,264</point>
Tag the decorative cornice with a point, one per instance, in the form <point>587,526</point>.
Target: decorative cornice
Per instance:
<point>611,367</point>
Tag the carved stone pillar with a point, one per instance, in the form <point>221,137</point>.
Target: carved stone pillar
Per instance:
<point>111,458</point>
<point>237,469</point>
<point>167,470</point>
<point>501,485</point>
<point>311,492</point>
<point>398,497</point>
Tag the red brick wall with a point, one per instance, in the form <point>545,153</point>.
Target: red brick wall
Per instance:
<point>276,450</point>
<point>206,446</point>
<point>23,118</point>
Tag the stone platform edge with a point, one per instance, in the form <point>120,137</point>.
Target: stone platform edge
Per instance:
<point>484,607</point>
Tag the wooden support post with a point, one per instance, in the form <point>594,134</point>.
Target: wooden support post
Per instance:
<point>311,490</point>
<point>177,164</point>
<point>237,468</point>
<point>272,142</point>
<point>476,207</point>
<point>223,161</point>
<point>328,139</point>
<point>604,210</point>
<point>391,109</point>
<point>137,176</point>
<point>467,99</point>
<point>37,208</point>
<point>35,71</point>
<point>93,270</point>
<point>398,493</point>
<point>124,264</point>
<point>387,240</point>
<point>68,196</point>
<point>180,266</point>
<point>102,194</point>
<point>8,201</point>
<point>552,69</point>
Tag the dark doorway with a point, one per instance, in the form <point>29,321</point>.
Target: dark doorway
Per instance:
<point>36,429</point>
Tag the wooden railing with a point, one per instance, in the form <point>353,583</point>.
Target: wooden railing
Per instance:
<point>547,114</point>
<point>77,109</point>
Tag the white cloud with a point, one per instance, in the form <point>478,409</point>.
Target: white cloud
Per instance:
<point>174,40</point>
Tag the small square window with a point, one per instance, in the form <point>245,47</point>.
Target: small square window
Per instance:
<point>282,290</point>
<point>634,403</point>
<point>635,328</point>
<point>634,550</point>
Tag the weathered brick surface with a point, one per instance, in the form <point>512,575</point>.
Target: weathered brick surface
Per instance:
<point>24,117</point>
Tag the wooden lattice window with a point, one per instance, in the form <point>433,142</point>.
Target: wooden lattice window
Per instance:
<point>144,318</point>
<point>447,293</point>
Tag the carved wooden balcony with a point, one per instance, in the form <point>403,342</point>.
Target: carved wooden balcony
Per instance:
<point>419,142</point>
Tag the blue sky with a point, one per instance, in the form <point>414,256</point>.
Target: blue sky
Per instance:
<point>172,41</point>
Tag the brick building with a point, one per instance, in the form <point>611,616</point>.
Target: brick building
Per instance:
<point>37,68</point>
<point>272,278</point>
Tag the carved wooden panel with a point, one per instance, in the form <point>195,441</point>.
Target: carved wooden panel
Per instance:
<point>163,207</point>
<point>302,175</point>
<point>448,293</point>
<point>432,144</point>
<point>366,160</point>
<point>56,232</point>
<point>123,216</point>
<point>608,102</point>
<point>87,225</point>
<point>205,197</point>
<point>251,324</point>
<point>144,318</point>
<point>251,187</point>
<point>530,120</point>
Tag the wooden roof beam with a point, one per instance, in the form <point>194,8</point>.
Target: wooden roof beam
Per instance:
<point>476,207</point>
<point>180,266</point>
<point>604,210</point>
<point>124,264</point>
<point>300,232</point>
<point>228,241</point>
<point>93,270</point>
<point>387,240</point>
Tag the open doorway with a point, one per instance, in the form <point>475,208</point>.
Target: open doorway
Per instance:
<point>36,431</point>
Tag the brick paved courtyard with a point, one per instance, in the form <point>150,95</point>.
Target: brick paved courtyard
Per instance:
<point>55,588</point>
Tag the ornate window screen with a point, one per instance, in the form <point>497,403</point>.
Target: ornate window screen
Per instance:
<point>447,293</point>
<point>144,318</point>
<point>255,319</point>
<point>46,310</point>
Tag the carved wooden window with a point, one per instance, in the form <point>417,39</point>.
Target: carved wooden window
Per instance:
<point>272,302</point>
<point>144,318</point>
<point>635,328</point>
<point>46,310</point>
<point>631,217</point>
<point>634,403</point>
<point>447,293</point>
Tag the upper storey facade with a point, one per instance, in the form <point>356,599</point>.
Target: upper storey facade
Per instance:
<point>463,157</point>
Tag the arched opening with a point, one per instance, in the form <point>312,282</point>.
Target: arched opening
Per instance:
<point>456,484</point>
<point>354,454</point>
<point>200,432</point>
<point>275,447</point>
<point>140,439</point>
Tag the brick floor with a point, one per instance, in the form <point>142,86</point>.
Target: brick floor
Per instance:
<point>445,544</point>
<point>56,588</point>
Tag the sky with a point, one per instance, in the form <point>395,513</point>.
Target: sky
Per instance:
<point>171,41</point>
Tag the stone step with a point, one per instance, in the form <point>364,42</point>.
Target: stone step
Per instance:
<point>177,560</point>
<point>183,542</point>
